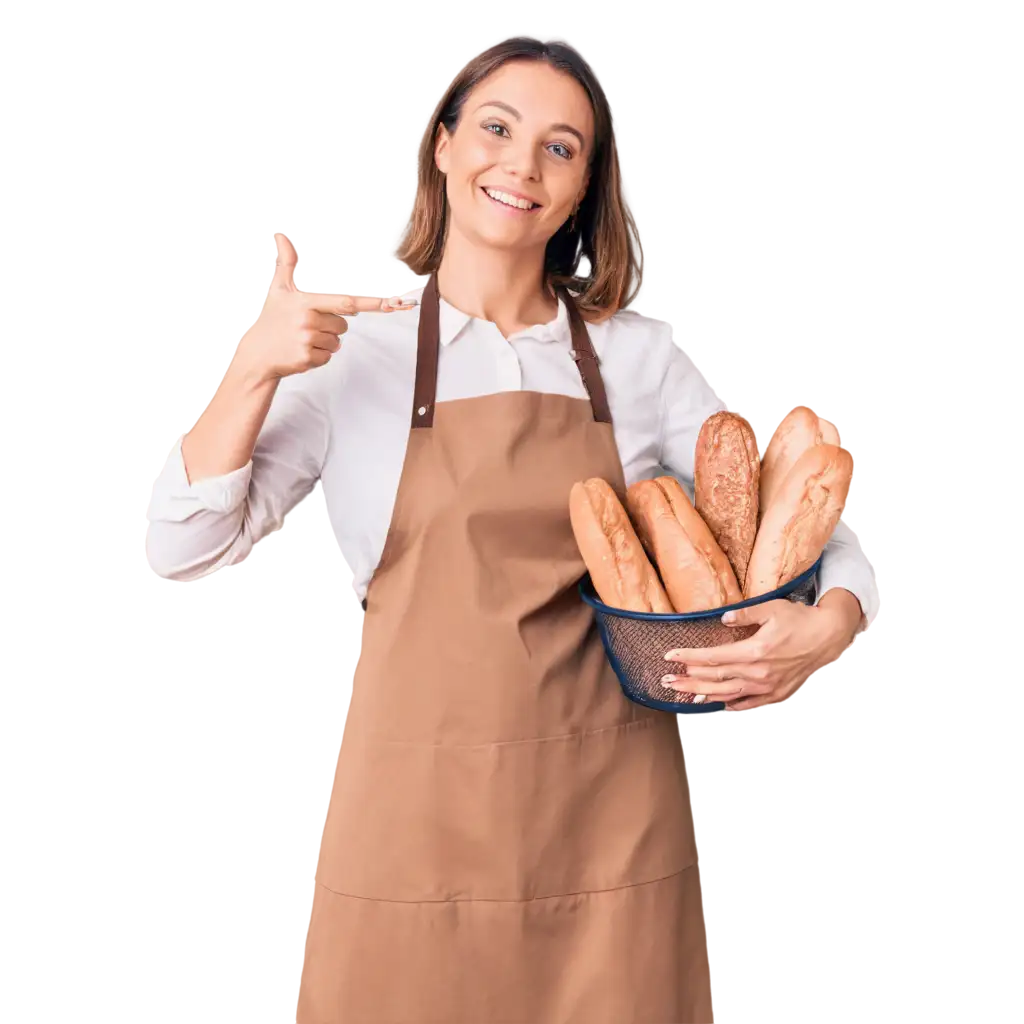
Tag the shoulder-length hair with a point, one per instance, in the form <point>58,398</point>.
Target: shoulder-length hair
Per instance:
<point>605,231</point>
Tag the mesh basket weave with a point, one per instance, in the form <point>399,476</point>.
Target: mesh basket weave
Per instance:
<point>637,642</point>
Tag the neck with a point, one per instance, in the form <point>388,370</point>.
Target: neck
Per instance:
<point>504,286</point>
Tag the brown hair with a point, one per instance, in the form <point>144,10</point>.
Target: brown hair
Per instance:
<point>605,231</point>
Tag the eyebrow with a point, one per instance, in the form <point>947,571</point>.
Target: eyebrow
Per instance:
<point>560,127</point>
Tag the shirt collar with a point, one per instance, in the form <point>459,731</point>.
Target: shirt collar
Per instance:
<point>452,321</point>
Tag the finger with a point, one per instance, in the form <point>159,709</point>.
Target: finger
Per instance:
<point>720,691</point>
<point>329,323</point>
<point>328,342</point>
<point>287,257</point>
<point>319,356</point>
<point>346,305</point>
<point>682,687</point>
<point>749,649</point>
<point>726,685</point>
<point>747,670</point>
<point>755,614</point>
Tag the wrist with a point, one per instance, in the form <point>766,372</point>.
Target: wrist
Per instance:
<point>244,372</point>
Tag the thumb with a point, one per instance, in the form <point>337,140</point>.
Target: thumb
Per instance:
<point>287,257</point>
<point>749,616</point>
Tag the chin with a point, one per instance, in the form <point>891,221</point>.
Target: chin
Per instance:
<point>506,240</point>
<point>497,235</point>
<point>479,222</point>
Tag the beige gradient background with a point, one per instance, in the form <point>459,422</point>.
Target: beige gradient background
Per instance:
<point>164,751</point>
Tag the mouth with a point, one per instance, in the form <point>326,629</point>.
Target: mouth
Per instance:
<point>508,207</point>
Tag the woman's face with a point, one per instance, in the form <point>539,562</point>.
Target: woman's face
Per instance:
<point>517,134</point>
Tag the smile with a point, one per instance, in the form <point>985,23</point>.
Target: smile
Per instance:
<point>508,202</point>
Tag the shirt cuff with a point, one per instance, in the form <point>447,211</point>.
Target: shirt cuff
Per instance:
<point>174,498</point>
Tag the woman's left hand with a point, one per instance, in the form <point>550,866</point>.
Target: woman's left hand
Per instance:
<point>793,642</point>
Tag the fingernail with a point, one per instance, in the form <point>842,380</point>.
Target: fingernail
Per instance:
<point>671,655</point>
<point>667,679</point>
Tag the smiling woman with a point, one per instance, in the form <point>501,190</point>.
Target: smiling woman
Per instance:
<point>526,123</point>
<point>505,830</point>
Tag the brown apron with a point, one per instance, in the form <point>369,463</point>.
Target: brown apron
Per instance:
<point>509,839</point>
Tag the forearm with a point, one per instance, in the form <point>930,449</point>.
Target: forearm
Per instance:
<point>844,566</point>
<point>846,609</point>
<point>224,436</point>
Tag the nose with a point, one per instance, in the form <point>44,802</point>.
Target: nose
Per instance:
<point>521,161</point>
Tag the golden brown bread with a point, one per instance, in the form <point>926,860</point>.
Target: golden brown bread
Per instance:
<point>694,570</point>
<point>622,574</point>
<point>800,518</point>
<point>726,484</point>
<point>829,434</point>
<point>799,430</point>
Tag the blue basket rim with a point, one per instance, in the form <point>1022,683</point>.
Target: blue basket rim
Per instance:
<point>587,592</point>
<point>674,706</point>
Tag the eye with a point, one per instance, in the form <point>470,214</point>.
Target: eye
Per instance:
<point>560,145</point>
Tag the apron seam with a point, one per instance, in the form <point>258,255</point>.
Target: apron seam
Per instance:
<point>637,722</point>
<point>532,899</point>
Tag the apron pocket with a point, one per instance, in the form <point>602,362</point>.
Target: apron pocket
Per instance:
<point>513,820</point>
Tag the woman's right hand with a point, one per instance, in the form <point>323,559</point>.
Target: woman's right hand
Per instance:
<point>299,330</point>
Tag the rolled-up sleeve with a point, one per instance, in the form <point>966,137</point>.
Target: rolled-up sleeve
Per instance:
<point>687,400</point>
<point>196,528</point>
<point>844,564</point>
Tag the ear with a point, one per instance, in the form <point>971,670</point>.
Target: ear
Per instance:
<point>441,144</point>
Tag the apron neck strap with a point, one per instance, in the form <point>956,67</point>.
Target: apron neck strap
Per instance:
<point>586,359</point>
<point>428,348</point>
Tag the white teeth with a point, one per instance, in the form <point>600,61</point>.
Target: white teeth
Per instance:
<point>504,197</point>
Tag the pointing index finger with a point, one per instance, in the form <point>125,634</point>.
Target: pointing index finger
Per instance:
<point>346,305</point>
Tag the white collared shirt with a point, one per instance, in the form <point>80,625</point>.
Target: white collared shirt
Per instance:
<point>347,423</point>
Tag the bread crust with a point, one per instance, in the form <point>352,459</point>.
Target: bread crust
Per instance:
<point>695,571</point>
<point>799,430</point>
<point>800,518</point>
<point>726,485</point>
<point>829,434</point>
<point>623,576</point>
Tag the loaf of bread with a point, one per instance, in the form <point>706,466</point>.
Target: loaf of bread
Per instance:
<point>695,571</point>
<point>622,574</point>
<point>800,518</point>
<point>801,429</point>
<point>726,485</point>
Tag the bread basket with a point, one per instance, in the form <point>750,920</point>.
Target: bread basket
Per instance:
<point>637,642</point>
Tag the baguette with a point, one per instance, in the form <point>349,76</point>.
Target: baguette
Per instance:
<point>800,519</point>
<point>621,572</point>
<point>695,571</point>
<point>726,484</point>
<point>800,429</point>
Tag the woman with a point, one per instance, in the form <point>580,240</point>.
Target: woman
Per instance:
<point>508,837</point>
